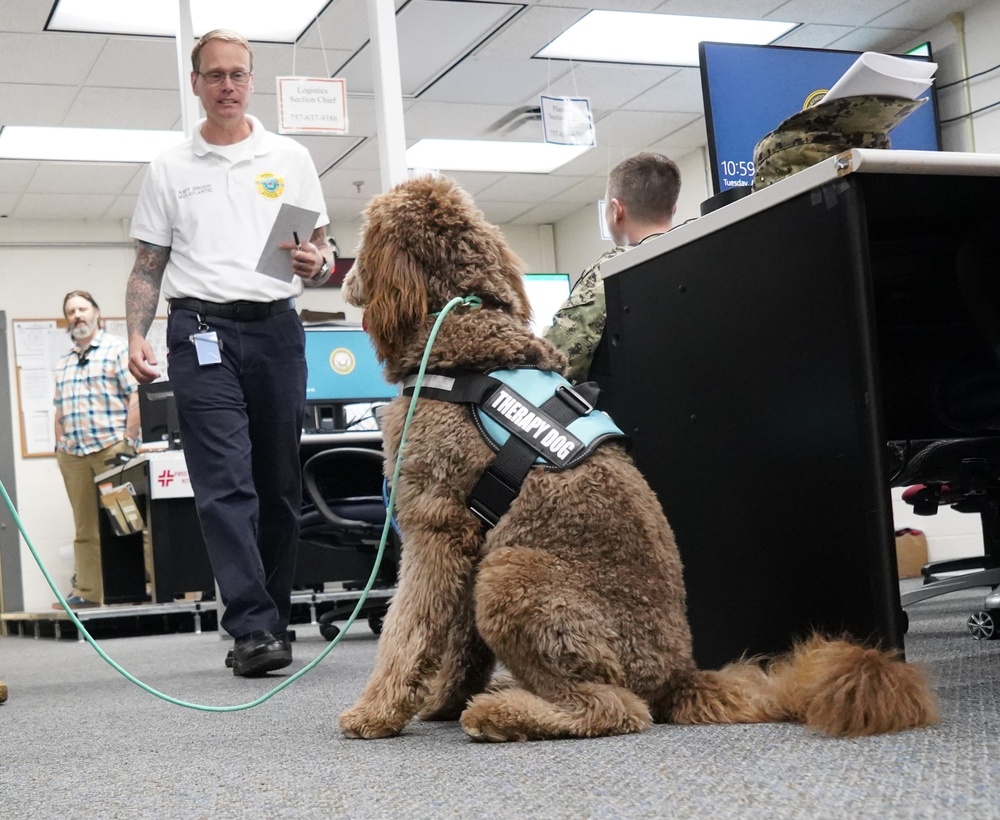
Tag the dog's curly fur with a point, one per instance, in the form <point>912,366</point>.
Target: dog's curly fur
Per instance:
<point>578,590</point>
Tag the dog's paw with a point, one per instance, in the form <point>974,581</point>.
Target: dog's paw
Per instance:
<point>362,721</point>
<point>488,720</point>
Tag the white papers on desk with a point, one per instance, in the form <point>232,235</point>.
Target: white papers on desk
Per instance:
<point>883,75</point>
<point>290,220</point>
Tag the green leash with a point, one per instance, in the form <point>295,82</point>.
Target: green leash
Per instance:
<point>473,301</point>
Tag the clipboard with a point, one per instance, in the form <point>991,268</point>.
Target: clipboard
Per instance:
<point>291,219</point>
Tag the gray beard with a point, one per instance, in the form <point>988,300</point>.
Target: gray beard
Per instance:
<point>80,331</point>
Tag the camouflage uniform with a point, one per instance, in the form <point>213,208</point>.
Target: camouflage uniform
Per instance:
<point>578,325</point>
<point>825,130</point>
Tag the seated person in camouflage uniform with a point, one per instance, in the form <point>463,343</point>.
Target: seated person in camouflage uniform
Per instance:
<point>639,204</point>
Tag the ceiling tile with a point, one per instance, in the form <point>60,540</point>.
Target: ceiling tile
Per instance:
<point>453,120</point>
<point>529,187</point>
<point>24,15</point>
<point>80,178</point>
<point>634,129</point>
<point>498,81</point>
<point>607,86</point>
<point>922,14</point>
<point>62,206</point>
<point>529,32</point>
<point>122,208</point>
<point>546,213</point>
<point>843,12</point>
<point>124,108</point>
<point>136,62</point>
<point>814,35</point>
<point>742,9</point>
<point>873,39</point>
<point>683,140</point>
<point>32,104</point>
<point>681,91</point>
<point>7,204</point>
<point>432,36</point>
<point>504,213</point>
<point>28,58</point>
<point>15,175</point>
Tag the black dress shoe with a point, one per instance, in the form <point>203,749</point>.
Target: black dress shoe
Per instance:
<point>285,637</point>
<point>259,652</point>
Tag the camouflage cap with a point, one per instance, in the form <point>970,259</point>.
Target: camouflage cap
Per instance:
<point>827,129</point>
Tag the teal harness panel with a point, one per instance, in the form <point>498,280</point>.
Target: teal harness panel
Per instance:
<point>536,387</point>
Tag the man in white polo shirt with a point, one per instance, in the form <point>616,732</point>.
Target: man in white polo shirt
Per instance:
<point>236,344</point>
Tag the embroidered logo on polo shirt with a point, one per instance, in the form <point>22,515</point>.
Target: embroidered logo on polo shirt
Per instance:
<point>342,361</point>
<point>193,190</point>
<point>270,185</point>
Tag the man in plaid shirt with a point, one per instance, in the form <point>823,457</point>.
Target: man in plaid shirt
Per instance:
<point>97,417</point>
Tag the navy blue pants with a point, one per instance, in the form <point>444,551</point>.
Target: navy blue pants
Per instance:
<point>241,423</point>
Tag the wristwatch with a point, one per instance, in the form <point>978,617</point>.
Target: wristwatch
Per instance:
<point>324,269</point>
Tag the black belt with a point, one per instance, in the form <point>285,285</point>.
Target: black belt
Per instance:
<point>238,311</point>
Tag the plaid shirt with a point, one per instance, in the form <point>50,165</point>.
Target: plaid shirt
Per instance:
<point>92,398</point>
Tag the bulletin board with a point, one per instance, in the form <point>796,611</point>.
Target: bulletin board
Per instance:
<point>38,346</point>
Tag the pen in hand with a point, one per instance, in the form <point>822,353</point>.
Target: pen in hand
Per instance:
<point>295,236</point>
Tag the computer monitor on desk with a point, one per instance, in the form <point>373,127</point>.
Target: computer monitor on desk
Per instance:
<point>345,382</point>
<point>158,414</point>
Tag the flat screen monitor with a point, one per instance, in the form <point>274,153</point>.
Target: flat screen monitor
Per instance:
<point>546,294</point>
<point>748,91</point>
<point>158,414</point>
<point>343,368</point>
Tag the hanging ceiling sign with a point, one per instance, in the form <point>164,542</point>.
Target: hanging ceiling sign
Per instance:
<point>312,105</point>
<point>568,121</point>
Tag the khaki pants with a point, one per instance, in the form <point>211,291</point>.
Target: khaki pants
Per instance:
<point>78,473</point>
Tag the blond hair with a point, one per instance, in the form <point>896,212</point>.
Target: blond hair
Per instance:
<point>223,34</point>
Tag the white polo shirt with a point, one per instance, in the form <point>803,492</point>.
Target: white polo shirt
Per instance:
<point>214,206</point>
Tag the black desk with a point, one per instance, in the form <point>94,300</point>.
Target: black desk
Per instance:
<point>180,562</point>
<point>761,358</point>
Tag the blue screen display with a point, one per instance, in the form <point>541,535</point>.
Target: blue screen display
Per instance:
<point>343,367</point>
<point>749,90</point>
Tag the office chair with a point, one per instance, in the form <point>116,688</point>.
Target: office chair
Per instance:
<point>344,510</point>
<point>964,473</point>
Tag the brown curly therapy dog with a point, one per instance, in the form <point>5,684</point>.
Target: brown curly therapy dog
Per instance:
<point>577,591</point>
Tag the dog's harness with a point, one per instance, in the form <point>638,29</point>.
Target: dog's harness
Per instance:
<point>529,417</point>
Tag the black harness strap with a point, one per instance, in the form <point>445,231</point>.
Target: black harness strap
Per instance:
<point>500,484</point>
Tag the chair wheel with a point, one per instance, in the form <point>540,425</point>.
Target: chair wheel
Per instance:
<point>329,631</point>
<point>376,620</point>
<point>982,626</point>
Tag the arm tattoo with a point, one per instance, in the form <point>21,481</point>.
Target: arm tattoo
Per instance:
<point>143,289</point>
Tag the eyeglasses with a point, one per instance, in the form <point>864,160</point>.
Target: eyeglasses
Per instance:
<point>82,358</point>
<point>238,77</point>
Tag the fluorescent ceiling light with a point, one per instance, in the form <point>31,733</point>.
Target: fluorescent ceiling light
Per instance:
<point>486,155</point>
<point>274,22</point>
<point>84,144</point>
<point>655,39</point>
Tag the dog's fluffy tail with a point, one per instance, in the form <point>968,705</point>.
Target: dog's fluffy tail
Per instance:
<point>833,686</point>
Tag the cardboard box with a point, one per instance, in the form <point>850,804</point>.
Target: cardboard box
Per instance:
<point>119,503</point>
<point>911,552</point>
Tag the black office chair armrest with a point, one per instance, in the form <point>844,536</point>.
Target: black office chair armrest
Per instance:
<point>358,465</point>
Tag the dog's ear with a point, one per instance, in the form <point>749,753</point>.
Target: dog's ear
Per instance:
<point>396,291</point>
